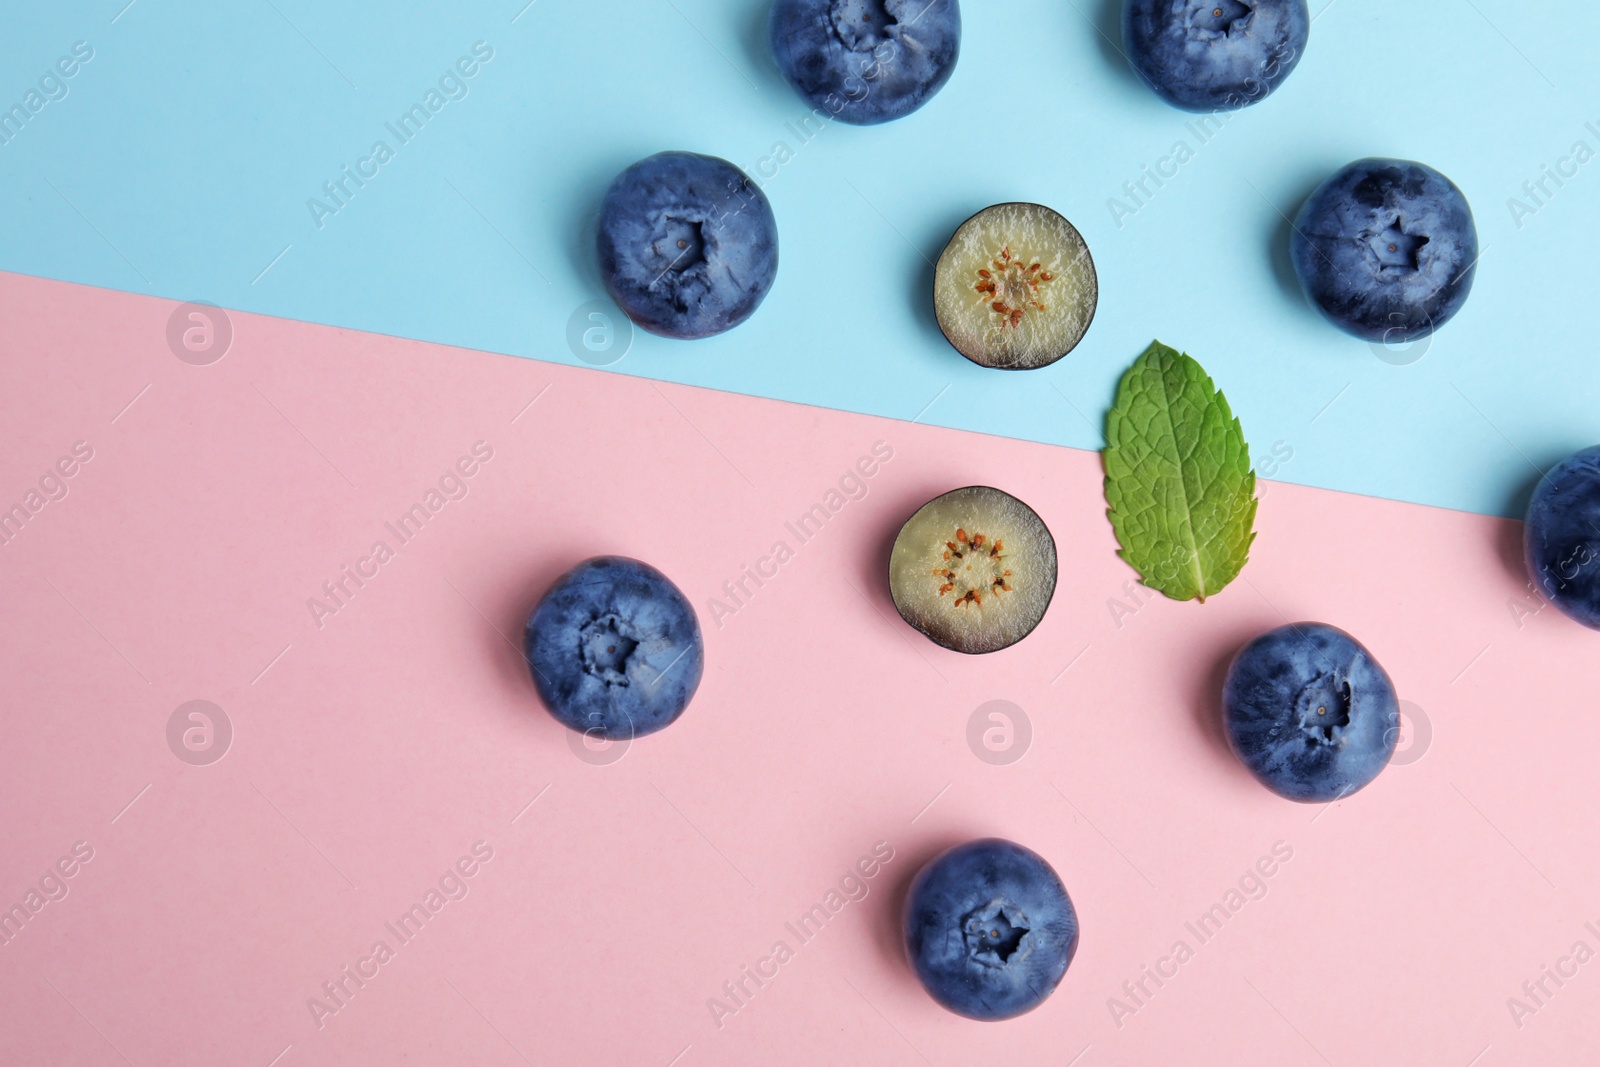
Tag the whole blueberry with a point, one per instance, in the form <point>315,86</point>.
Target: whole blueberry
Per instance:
<point>990,929</point>
<point>1386,249</point>
<point>866,61</point>
<point>1563,537</point>
<point>688,244</point>
<point>614,649</point>
<point>1214,55</point>
<point>1310,712</point>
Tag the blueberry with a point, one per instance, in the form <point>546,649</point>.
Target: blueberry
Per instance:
<point>1310,712</point>
<point>688,244</point>
<point>1386,249</point>
<point>1563,537</point>
<point>866,61</point>
<point>989,929</point>
<point>1214,55</point>
<point>614,649</point>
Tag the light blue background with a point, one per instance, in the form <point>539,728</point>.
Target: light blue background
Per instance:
<point>182,159</point>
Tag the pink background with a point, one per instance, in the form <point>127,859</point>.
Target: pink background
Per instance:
<point>372,752</point>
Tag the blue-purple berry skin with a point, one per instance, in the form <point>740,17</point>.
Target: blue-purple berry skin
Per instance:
<point>688,244</point>
<point>865,61</point>
<point>1386,249</point>
<point>1310,712</point>
<point>1214,55</point>
<point>989,929</point>
<point>1563,537</point>
<point>614,649</point>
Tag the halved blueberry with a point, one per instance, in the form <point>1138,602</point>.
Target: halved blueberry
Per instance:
<point>1015,288</point>
<point>990,929</point>
<point>973,569</point>
<point>688,244</point>
<point>1563,537</point>
<point>1310,712</point>
<point>866,61</point>
<point>614,649</point>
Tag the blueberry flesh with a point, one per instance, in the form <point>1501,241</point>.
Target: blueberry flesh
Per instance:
<point>614,649</point>
<point>1563,537</point>
<point>866,61</point>
<point>1386,249</point>
<point>688,244</point>
<point>1214,55</point>
<point>989,929</point>
<point>973,569</point>
<point>1310,712</point>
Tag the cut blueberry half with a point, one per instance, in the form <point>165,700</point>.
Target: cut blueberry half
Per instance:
<point>974,570</point>
<point>614,649</point>
<point>990,929</point>
<point>1563,537</point>
<point>1015,288</point>
<point>1309,711</point>
<point>688,244</point>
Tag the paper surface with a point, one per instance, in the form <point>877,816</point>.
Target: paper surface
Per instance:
<point>247,172</point>
<point>376,743</point>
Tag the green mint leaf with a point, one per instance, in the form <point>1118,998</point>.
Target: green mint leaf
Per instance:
<point>1178,478</point>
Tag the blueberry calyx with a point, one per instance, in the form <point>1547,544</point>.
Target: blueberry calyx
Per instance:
<point>614,649</point>
<point>862,25</point>
<point>1324,707</point>
<point>995,933</point>
<point>1396,249</point>
<point>1224,17</point>
<point>605,647</point>
<point>685,244</point>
